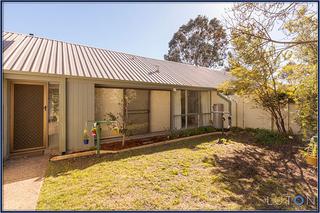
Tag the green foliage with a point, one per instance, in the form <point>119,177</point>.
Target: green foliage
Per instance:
<point>268,137</point>
<point>199,42</point>
<point>272,71</point>
<point>121,119</point>
<point>302,69</point>
<point>236,129</point>
<point>255,70</point>
<point>304,83</point>
<point>112,117</point>
<point>190,132</point>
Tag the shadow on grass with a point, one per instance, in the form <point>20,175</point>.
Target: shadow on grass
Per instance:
<point>263,179</point>
<point>251,174</point>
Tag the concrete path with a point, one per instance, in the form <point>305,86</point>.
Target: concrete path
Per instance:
<point>22,180</point>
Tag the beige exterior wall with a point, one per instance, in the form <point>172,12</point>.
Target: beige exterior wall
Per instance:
<point>292,116</point>
<point>80,104</point>
<point>255,117</point>
<point>159,110</point>
<point>63,115</point>
<point>5,119</point>
<point>245,114</point>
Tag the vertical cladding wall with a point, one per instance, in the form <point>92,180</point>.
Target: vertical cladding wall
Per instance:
<point>292,117</point>
<point>246,114</point>
<point>256,117</point>
<point>80,104</point>
<point>5,119</point>
<point>159,110</point>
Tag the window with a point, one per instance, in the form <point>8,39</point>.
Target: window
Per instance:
<point>138,111</point>
<point>205,118</point>
<point>193,102</point>
<point>112,101</point>
<point>53,116</point>
<point>191,109</point>
<point>108,102</point>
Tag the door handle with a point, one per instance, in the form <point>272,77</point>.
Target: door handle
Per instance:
<point>45,108</point>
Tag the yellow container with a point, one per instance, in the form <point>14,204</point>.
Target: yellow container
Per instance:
<point>115,131</point>
<point>311,160</point>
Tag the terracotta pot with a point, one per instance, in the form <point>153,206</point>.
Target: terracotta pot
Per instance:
<point>311,160</point>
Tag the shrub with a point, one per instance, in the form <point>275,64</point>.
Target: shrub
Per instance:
<point>236,129</point>
<point>190,132</point>
<point>268,137</point>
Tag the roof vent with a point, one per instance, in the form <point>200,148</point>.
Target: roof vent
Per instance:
<point>155,71</point>
<point>31,34</point>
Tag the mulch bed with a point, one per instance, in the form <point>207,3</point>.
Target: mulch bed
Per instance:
<point>129,143</point>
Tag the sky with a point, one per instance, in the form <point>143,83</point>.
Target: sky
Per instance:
<point>137,28</point>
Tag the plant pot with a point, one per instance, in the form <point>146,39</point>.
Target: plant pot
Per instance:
<point>115,132</point>
<point>85,141</point>
<point>311,160</point>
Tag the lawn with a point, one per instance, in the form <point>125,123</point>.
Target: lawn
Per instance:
<point>198,174</point>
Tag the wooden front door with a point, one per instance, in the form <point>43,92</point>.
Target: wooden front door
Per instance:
<point>28,116</point>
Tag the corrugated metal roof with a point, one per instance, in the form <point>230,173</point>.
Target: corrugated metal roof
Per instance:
<point>40,55</point>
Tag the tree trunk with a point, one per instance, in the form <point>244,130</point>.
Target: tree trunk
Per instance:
<point>278,118</point>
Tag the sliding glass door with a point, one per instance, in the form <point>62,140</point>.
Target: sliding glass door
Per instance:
<point>191,109</point>
<point>111,101</point>
<point>138,111</point>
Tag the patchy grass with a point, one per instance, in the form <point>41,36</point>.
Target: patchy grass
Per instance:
<point>190,175</point>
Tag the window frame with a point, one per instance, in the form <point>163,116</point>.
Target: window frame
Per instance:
<point>149,102</point>
<point>199,114</point>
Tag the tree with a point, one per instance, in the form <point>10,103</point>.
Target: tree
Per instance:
<point>259,20</point>
<point>302,69</point>
<point>291,63</point>
<point>199,42</point>
<point>256,76</point>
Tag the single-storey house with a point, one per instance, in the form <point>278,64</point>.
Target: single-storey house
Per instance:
<point>52,90</point>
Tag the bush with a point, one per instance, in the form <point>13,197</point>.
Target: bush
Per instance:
<point>236,129</point>
<point>268,137</point>
<point>190,132</point>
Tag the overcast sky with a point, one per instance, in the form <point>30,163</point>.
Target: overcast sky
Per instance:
<point>137,28</point>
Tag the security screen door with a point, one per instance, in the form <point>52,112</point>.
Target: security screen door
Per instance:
<point>28,116</point>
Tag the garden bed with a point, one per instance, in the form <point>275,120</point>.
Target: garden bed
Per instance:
<point>131,142</point>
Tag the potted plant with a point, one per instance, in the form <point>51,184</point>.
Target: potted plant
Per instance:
<point>312,151</point>
<point>85,136</point>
